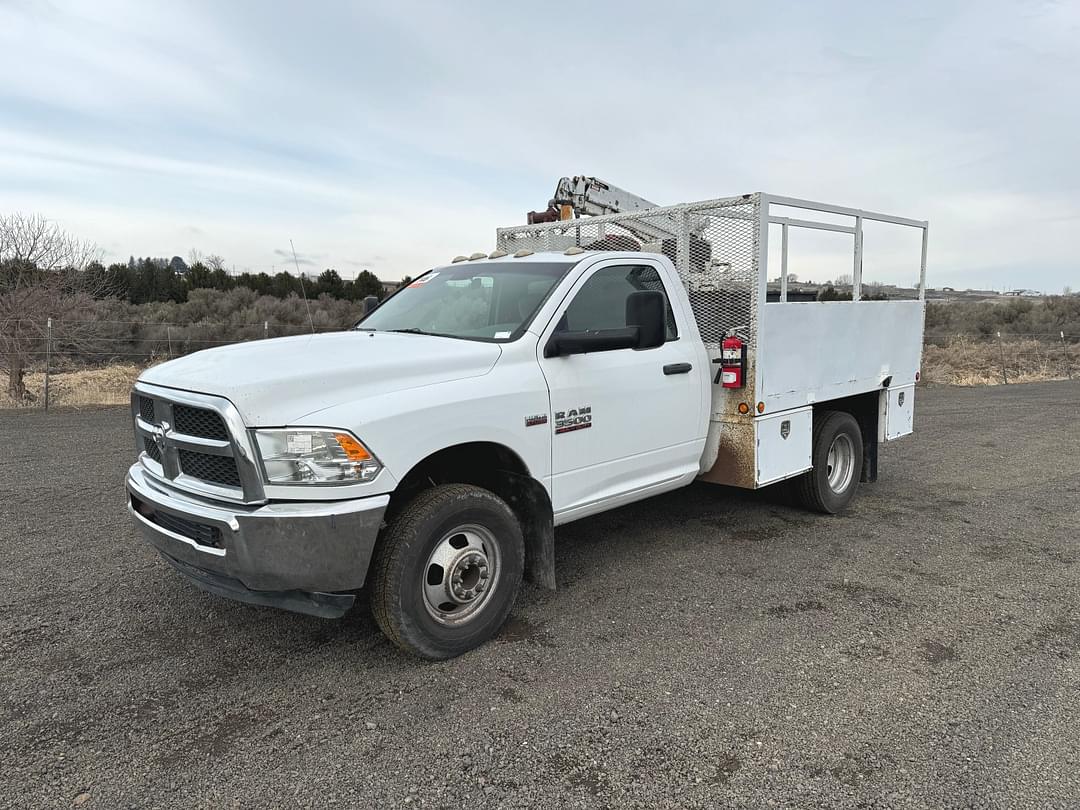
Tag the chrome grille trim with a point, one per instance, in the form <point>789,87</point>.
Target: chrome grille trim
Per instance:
<point>237,443</point>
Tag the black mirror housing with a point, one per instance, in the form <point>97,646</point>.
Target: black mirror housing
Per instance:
<point>647,310</point>
<point>564,343</point>
<point>370,303</point>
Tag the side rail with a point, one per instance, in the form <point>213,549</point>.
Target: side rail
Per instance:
<point>852,221</point>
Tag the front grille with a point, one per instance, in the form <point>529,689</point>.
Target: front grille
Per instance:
<point>146,409</point>
<point>169,433</point>
<point>199,422</point>
<point>215,469</point>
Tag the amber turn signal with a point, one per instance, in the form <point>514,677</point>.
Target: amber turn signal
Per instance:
<point>353,449</point>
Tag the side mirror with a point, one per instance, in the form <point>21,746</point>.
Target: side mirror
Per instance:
<point>602,340</point>
<point>370,303</point>
<point>646,328</point>
<point>647,310</point>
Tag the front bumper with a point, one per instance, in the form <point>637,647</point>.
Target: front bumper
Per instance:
<point>308,547</point>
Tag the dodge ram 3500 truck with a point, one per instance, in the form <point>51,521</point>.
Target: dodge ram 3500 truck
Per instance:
<point>426,455</point>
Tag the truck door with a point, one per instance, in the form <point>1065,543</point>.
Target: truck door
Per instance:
<point>627,423</point>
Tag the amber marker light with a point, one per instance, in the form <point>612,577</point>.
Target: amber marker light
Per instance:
<point>761,407</point>
<point>744,408</point>
<point>353,449</point>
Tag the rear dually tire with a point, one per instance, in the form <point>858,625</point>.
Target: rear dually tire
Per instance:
<point>837,456</point>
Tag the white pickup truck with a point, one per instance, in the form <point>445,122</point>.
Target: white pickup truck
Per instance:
<point>426,455</point>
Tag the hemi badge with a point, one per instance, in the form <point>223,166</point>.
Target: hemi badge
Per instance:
<point>532,421</point>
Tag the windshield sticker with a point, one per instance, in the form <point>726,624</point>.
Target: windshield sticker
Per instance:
<point>499,335</point>
<point>420,282</point>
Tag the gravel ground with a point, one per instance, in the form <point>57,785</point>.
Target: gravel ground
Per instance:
<point>706,648</point>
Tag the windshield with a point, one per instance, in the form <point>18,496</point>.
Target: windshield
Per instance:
<point>489,301</point>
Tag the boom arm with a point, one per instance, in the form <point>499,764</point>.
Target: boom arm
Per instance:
<point>589,196</point>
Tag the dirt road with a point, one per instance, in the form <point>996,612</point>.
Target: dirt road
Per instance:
<point>706,648</point>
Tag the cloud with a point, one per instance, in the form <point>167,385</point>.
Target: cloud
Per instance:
<point>298,258</point>
<point>395,136</point>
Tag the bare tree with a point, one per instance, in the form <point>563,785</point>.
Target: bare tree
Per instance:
<point>41,276</point>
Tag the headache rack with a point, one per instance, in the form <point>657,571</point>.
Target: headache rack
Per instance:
<point>720,249</point>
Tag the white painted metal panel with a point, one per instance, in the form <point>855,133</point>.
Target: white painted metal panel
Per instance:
<point>898,419</point>
<point>784,442</point>
<point>816,351</point>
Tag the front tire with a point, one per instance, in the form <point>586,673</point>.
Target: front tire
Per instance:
<point>447,571</point>
<point>838,461</point>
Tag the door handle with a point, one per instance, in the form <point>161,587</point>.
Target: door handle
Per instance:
<point>677,368</point>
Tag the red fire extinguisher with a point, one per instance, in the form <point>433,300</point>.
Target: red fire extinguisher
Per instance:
<point>732,362</point>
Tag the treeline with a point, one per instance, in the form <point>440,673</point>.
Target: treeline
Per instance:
<point>136,333</point>
<point>155,280</point>
<point>1047,317</point>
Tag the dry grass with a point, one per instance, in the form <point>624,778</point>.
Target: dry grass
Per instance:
<point>110,385</point>
<point>965,361</point>
<point>962,362</point>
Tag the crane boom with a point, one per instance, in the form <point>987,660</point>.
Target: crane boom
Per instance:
<point>590,196</point>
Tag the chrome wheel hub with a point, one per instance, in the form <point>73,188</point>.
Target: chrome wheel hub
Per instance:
<point>469,577</point>
<point>461,574</point>
<point>840,463</point>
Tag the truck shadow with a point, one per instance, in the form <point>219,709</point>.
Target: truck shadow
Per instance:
<point>695,515</point>
<point>689,508</point>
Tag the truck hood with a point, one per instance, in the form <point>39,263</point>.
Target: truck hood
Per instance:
<point>277,382</point>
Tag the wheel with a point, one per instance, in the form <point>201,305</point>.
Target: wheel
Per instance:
<point>837,456</point>
<point>447,570</point>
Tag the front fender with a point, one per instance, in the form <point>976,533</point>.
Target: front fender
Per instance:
<point>403,428</point>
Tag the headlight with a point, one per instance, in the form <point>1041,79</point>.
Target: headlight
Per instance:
<point>314,456</point>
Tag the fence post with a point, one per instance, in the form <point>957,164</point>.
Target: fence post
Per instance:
<point>1001,348</point>
<point>266,329</point>
<point>48,358</point>
<point>1065,354</point>
<point>168,331</point>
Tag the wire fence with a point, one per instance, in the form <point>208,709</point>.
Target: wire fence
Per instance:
<point>1000,358</point>
<point>69,349</point>
<point>84,354</point>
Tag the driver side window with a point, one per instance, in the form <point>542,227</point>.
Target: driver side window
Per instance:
<point>601,302</point>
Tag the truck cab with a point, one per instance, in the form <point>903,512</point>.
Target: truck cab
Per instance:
<point>424,457</point>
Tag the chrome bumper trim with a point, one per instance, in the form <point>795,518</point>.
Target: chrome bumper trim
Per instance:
<point>315,546</point>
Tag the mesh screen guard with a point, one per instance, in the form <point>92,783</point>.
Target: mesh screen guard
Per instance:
<point>713,245</point>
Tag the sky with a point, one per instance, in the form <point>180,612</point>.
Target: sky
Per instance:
<point>392,136</point>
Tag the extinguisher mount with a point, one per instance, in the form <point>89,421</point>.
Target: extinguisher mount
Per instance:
<point>732,361</point>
